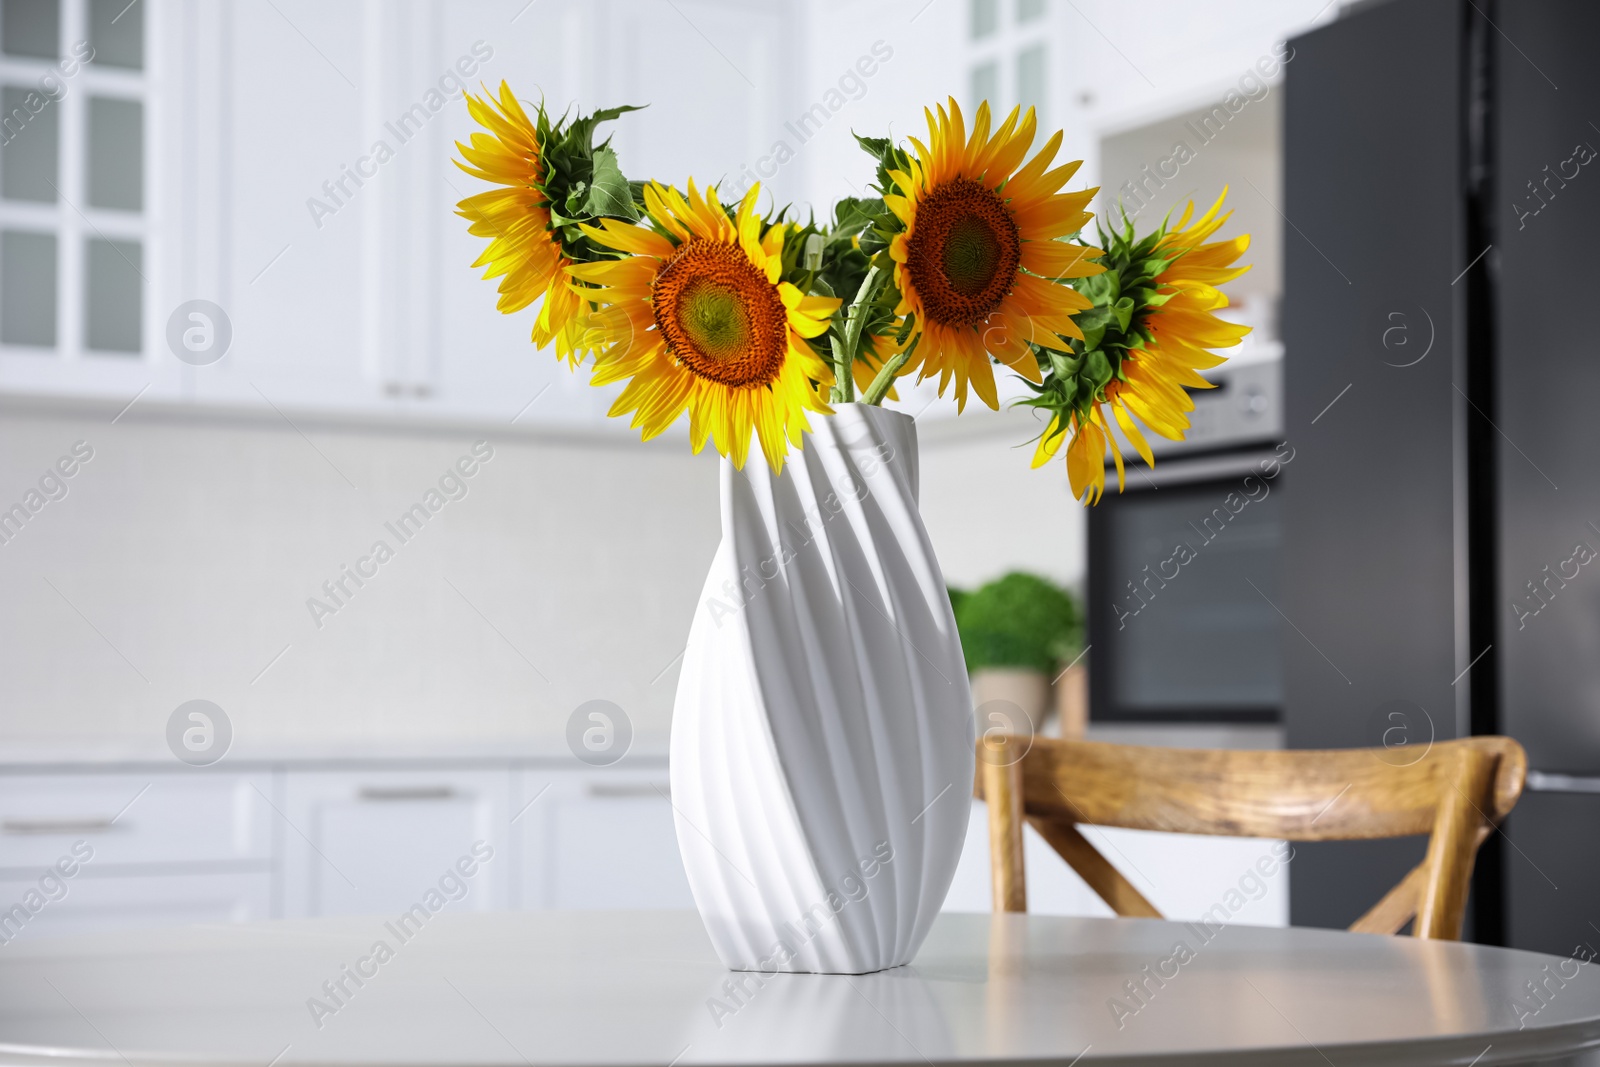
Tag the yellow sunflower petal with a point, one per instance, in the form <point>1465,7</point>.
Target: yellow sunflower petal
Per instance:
<point>522,252</point>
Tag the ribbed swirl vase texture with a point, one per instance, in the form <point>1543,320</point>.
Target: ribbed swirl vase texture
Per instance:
<point>822,737</point>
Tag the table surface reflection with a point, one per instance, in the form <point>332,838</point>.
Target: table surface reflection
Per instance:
<point>643,988</point>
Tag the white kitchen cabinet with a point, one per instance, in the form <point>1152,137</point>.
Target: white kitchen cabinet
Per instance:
<point>600,839</point>
<point>377,841</point>
<point>164,845</point>
<point>185,816</point>
<point>85,852</point>
<point>93,904</point>
<point>339,262</point>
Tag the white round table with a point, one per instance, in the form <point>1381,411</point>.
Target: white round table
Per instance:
<point>631,988</point>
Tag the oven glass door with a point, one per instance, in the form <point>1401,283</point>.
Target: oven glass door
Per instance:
<point>1184,580</point>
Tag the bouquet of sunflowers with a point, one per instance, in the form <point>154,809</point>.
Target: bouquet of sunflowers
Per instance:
<point>968,256</point>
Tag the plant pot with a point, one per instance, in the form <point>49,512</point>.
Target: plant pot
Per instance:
<point>1021,688</point>
<point>822,737</point>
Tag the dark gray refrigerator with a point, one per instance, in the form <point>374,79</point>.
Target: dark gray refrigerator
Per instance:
<point>1442,546</point>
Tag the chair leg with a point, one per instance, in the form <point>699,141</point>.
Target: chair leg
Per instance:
<point>1453,846</point>
<point>1002,791</point>
<point>1092,866</point>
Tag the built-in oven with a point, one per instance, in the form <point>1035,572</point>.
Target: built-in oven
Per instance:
<point>1183,570</point>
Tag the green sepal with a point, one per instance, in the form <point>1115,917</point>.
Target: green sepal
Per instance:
<point>583,181</point>
<point>1062,364</point>
<point>1122,311</point>
<point>888,156</point>
<point>1098,370</point>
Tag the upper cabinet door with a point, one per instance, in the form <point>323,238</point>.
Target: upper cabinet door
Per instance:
<point>384,842</point>
<point>254,203</point>
<point>78,221</point>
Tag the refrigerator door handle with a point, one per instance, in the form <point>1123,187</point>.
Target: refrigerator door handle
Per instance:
<point>1545,782</point>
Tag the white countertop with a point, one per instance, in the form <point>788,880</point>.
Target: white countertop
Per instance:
<point>644,988</point>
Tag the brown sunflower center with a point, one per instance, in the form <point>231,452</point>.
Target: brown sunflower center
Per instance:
<point>720,316</point>
<point>964,252</point>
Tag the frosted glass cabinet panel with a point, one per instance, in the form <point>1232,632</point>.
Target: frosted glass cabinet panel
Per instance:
<point>29,168</point>
<point>118,40</point>
<point>112,310</point>
<point>27,288</point>
<point>75,192</point>
<point>116,153</point>
<point>30,28</point>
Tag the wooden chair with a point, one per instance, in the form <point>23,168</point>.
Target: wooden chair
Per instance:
<point>1456,793</point>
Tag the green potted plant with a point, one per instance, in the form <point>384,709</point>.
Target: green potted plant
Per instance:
<point>1016,632</point>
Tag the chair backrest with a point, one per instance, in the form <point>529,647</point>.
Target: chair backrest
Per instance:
<point>1454,791</point>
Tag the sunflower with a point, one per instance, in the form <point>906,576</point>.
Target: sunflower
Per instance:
<point>977,262</point>
<point>1176,328</point>
<point>522,251</point>
<point>696,317</point>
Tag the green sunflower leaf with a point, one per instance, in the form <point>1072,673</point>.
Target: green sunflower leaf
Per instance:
<point>853,216</point>
<point>609,194</point>
<point>581,130</point>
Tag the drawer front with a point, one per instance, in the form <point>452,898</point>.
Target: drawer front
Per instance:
<point>134,818</point>
<point>599,840</point>
<point>88,904</point>
<point>378,842</point>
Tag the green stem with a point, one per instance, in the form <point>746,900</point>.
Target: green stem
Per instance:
<point>844,387</point>
<point>843,380</point>
<point>880,385</point>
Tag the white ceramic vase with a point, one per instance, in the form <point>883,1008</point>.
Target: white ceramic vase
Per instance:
<point>822,738</point>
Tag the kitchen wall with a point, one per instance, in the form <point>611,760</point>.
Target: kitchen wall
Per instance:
<point>189,555</point>
<point>186,556</point>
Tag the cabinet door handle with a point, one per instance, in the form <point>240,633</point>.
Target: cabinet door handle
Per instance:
<point>56,826</point>
<point>406,792</point>
<point>630,789</point>
<point>1544,782</point>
